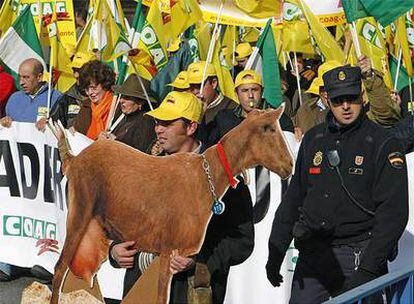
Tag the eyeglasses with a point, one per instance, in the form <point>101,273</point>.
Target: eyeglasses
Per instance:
<point>93,88</point>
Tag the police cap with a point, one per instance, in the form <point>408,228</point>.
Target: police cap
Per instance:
<point>342,81</point>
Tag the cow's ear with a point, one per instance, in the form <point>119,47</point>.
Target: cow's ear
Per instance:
<point>280,110</point>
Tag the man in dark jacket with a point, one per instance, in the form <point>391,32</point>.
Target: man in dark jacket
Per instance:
<point>229,238</point>
<point>249,90</point>
<point>347,204</point>
<point>69,104</point>
<point>213,100</point>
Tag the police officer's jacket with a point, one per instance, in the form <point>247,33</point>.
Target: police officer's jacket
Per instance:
<point>374,171</point>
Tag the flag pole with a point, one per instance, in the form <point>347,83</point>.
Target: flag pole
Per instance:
<point>40,14</point>
<point>51,61</point>
<point>355,39</point>
<point>253,56</point>
<point>112,110</point>
<point>297,78</point>
<point>212,45</point>
<point>233,55</point>
<point>397,74</point>
<point>411,95</point>
<point>142,86</point>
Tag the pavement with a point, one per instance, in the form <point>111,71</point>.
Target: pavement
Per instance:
<point>11,292</point>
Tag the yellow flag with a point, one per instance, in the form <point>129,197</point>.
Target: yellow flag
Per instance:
<point>295,32</point>
<point>8,14</point>
<point>261,9</point>
<point>373,46</point>
<point>325,41</point>
<point>225,80</point>
<point>156,33</point>
<point>103,34</point>
<point>203,35</point>
<point>403,44</point>
<point>59,60</point>
<point>184,13</point>
<point>228,45</point>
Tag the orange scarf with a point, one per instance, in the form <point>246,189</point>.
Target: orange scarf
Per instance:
<point>100,113</point>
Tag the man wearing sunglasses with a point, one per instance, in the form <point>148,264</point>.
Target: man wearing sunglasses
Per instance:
<point>347,204</point>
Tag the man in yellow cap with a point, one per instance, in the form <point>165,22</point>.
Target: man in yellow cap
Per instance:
<point>229,239</point>
<point>68,106</point>
<point>176,121</point>
<point>315,103</point>
<point>180,82</point>
<point>213,100</point>
<point>249,90</point>
<point>243,52</point>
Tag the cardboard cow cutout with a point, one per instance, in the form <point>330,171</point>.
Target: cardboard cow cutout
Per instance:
<point>164,203</point>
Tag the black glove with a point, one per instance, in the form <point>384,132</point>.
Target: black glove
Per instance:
<point>360,277</point>
<point>273,274</point>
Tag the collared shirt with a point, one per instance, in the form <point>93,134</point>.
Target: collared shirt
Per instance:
<point>30,108</point>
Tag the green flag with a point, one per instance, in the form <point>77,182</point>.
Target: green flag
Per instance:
<point>19,43</point>
<point>133,35</point>
<point>269,65</point>
<point>384,11</point>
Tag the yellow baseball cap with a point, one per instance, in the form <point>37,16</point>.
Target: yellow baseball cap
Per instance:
<point>174,46</point>
<point>252,35</point>
<point>181,81</point>
<point>243,50</point>
<point>179,105</point>
<point>80,59</point>
<point>196,70</point>
<point>248,77</point>
<point>318,81</point>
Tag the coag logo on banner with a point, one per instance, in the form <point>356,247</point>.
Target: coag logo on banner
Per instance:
<point>370,33</point>
<point>150,40</point>
<point>291,12</point>
<point>27,227</point>
<point>64,17</point>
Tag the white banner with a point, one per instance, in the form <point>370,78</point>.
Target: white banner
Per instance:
<point>33,200</point>
<point>33,206</point>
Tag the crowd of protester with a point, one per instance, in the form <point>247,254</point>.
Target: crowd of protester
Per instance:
<point>188,120</point>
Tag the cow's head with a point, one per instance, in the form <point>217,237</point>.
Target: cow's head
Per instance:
<point>265,143</point>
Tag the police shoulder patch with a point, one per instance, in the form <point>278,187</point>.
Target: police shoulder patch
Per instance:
<point>396,160</point>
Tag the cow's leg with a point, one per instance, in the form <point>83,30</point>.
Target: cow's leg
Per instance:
<point>78,220</point>
<point>164,279</point>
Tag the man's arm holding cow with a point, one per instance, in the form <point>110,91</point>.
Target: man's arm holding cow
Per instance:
<point>121,255</point>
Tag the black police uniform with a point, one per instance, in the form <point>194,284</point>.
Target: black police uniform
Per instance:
<point>341,243</point>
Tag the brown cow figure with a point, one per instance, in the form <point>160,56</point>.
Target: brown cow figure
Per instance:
<point>116,192</point>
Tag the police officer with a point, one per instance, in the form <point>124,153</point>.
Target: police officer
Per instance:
<point>347,204</point>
